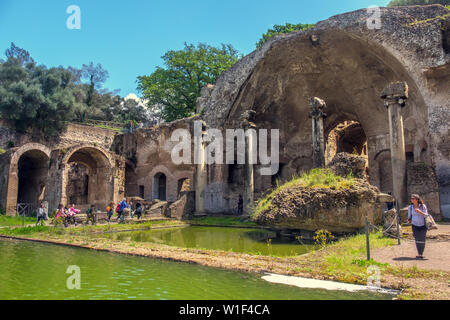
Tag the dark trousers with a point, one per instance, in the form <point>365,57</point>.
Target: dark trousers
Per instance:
<point>39,218</point>
<point>420,234</point>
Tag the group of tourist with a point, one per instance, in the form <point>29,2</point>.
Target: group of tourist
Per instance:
<point>123,208</point>
<point>67,215</point>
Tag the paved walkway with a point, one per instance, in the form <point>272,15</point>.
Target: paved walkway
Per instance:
<point>437,251</point>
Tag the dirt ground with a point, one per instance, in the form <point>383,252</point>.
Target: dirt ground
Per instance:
<point>437,251</point>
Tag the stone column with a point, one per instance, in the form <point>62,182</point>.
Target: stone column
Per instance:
<point>200,166</point>
<point>249,185</point>
<point>317,105</point>
<point>395,95</point>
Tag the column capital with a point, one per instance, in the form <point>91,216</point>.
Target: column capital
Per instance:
<point>317,106</point>
<point>395,93</point>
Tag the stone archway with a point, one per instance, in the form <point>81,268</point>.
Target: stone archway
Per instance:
<point>132,188</point>
<point>347,136</point>
<point>382,169</point>
<point>28,176</point>
<point>347,71</point>
<point>99,169</point>
<point>160,186</point>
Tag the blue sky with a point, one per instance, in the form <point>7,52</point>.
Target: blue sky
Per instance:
<point>129,37</point>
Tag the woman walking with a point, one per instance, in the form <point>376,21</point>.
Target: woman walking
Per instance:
<point>417,212</point>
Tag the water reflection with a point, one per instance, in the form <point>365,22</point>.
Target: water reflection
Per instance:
<point>31,270</point>
<point>254,241</point>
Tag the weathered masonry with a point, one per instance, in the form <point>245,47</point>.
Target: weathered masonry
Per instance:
<point>43,170</point>
<point>348,66</point>
<point>381,93</point>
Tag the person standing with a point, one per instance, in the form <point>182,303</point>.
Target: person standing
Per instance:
<point>240,205</point>
<point>91,215</point>
<point>40,214</point>
<point>417,212</point>
<point>138,211</point>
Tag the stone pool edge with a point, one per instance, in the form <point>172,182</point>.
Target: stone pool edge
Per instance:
<point>171,255</point>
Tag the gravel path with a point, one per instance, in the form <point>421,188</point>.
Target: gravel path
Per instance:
<point>437,251</point>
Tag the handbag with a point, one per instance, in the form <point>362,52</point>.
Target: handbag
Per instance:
<point>429,222</point>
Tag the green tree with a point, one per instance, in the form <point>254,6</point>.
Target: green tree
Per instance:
<point>35,97</point>
<point>395,3</point>
<point>176,87</point>
<point>22,55</point>
<point>279,29</point>
<point>96,76</point>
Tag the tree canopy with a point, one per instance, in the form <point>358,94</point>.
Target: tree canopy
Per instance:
<point>36,97</point>
<point>279,29</point>
<point>395,3</point>
<point>174,88</point>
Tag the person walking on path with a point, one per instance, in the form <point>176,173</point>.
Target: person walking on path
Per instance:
<point>40,214</point>
<point>110,211</point>
<point>417,212</point>
<point>123,205</point>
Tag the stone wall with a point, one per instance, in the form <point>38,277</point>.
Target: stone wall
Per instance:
<point>148,155</point>
<point>45,162</point>
<point>347,65</point>
<point>421,179</point>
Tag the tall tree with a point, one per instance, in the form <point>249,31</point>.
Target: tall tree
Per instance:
<point>176,87</point>
<point>22,55</point>
<point>279,29</point>
<point>96,76</point>
<point>36,97</point>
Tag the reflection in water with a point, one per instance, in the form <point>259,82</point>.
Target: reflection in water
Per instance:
<point>31,270</point>
<point>243,240</point>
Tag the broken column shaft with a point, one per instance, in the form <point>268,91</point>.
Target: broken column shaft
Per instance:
<point>317,105</point>
<point>395,95</point>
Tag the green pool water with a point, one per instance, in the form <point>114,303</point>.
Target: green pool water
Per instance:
<point>31,270</point>
<point>254,241</point>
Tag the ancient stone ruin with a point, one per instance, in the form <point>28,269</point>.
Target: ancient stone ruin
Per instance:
<point>381,94</point>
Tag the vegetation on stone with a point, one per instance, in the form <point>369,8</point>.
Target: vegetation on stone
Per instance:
<point>396,3</point>
<point>316,178</point>
<point>280,29</point>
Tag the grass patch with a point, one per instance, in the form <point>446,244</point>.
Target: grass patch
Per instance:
<point>11,221</point>
<point>222,221</point>
<point>345,260</point>
<point>109,128</point>
<point>316,178</point>
<point>82,229</point>
<point>30,230</point>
